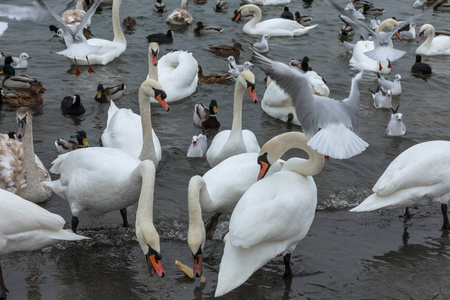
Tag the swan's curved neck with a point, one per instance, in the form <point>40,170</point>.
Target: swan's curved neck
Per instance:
<point>145,230</point>
<point>148,148</point>
<point>118,33</point>
<point>258,15</point>
<point>184,4</point>
<point>429,40</point>
<point>236,127</point>
<point>198,196</point>
<point>280,144</point>
<point>33,182</point>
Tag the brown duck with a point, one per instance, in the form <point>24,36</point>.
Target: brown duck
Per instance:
<point>226,50</point>
<point>212,78</point>
<point>18,99</point>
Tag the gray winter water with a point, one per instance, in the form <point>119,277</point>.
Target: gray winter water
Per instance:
<point>360,255</point>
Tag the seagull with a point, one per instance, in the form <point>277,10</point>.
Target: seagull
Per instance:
<point>382,101</point>
<point>383,48</point>
<point>395,86</point>
<point>263,46</point>
<point>235,69</point>
<point>75,40</point>
<point>330,124</point>
<point>395,126</point>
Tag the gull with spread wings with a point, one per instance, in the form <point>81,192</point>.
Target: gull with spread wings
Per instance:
<point>330,124</point>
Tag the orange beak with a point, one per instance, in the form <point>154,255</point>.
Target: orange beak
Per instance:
<point>398,35</point>
<point>264,167</point>
<point>154,58</point>
<point>198,258</point>
<point>252,93</point>
<point>163,102</point>
<point>155,265</point>
<point>421,35</point>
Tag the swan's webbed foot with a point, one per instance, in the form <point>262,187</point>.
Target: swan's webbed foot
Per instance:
<point>211,225</point>
<point>446,225</point>
<point>123,213</point>
<point>75,222</point>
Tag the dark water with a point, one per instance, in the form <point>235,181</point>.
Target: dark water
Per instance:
<point>362,256</point>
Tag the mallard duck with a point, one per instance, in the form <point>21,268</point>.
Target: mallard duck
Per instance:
<point>71,105</point>
<point>220,5</point>
<point>206,117</point>
<point>372,10</point>
<point>64,146</point>
<point>201,29</point>
<point>161,38</point>
<point>226,50</point>
<point>129,22</point>
<point>13,81</point>
<point>159,7</point>
<point>212,78</point>
<point>346,30</point>
<point>21,62</point>
<point>104,95</point>
<point>287,14</point>
<point>180,16</point>
<point>303,20</point>
<point>33,98</point>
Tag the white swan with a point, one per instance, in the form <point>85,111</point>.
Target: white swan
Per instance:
<point>418,176</point>
<point>176,71</point>
<point>273,215</point>
<point>21,171</point>
<point>330,124</point>
<point>25,226</point>
<point>272,27</point>
<point>235,141</point>
<point>133,133</point>
<point>109,49</point>
<point>433,45</point>
<point>98,180</point>
<point>396,127</point>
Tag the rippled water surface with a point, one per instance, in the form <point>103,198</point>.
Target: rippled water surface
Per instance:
<point>361,256</point>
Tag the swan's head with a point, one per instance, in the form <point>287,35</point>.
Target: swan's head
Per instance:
<point>152,88</point>
<point>153,49</point>
<point>387,25</point>
<point>247,79</point>
<point>23,119</point>
<point>153,258</point>
<point>424,30</point>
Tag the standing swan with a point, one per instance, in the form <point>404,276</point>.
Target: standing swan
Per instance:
<point>274,215</point>
<point>133,133</point>
<point>109,49</point>
<point>235,141</point>
<point>418,176</point>
<point>98,180</point>
<point>25,226</point>
<point>272,27</point>
<point>21,171</point>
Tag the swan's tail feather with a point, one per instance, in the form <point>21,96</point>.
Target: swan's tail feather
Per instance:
<point>57,163</point>
<point>68,235</point>
<point>337,141</point>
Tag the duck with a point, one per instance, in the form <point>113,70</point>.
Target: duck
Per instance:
<point>220,188</point>
<point>198,146</point>
<point>346,30</point>
<point>263,46</point>
<point>161,38</point>
<point>76,43</point>
<point>368,9</point>
<point>180,16</point>
<point>177,72</point>
<point>107,50</point>
<point>419,67</point>
<point>409,33</point>
<point>318,84</point>
<point>220,5</point>
<point>125,179</point>
<point>129,22</point>
<point>433,45</point>
<point>252,240</point>
<point>235,141</point>
<point>25,226</point>
<point>132,133</point>
<point>226,50</point>
<point>442,6</point>
<point>395,86</point>
<point>396,127</point>
<point>16,82</point>
<point>21,62</point>
<point>272,27</point>
<point>416,177</point>
<point>205,117</point>
<point>201,29</point>
<point>27,174</point>
<point>159,6</point>
<point>382,101</point>
<point>110,93</point>
<point>18,99</point>
<point>71,105</point>
<point>212,78</point>
<point>65,145</point>
<point>321,123</point>
<point>302,20</point>
<point>286,14</point>
<point>240,16</point>
<point>200,1</point>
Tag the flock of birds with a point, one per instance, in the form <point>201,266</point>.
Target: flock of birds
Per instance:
<point>245,180</point>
